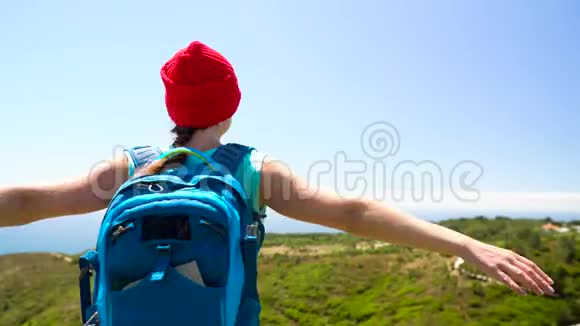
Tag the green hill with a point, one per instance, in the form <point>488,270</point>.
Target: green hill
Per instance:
<point>321,279</point>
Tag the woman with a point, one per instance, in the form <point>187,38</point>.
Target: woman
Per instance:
<point>202,95</point>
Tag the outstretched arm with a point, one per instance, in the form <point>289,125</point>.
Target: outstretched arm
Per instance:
<point>291,196</point>
<point>26,204</point>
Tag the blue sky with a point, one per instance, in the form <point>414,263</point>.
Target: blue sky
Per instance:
<point>492,82</point>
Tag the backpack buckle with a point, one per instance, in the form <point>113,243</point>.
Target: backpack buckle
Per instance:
<point>252,232</point>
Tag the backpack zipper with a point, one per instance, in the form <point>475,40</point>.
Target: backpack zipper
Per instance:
<point>121,229</point>
<point>213,226</point>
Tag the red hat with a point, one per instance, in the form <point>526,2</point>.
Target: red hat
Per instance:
<point>201,88</point>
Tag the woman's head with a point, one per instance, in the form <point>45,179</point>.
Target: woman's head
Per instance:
<point>201,89</point>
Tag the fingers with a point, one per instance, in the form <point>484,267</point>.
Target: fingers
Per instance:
<point>535,276</point>
<point>537,269</point>
<point>522,278</point>
<point>503,277</point>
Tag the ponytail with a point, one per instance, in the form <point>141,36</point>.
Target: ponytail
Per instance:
<point>182,135</point>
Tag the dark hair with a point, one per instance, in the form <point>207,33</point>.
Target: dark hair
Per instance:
<point>182,135</point>
<point>159,165</point>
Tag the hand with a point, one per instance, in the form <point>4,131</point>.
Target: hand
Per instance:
<point>509,268</point>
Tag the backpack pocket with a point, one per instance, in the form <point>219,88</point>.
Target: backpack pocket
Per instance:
<point>172,301</point>
<point>133,254</point>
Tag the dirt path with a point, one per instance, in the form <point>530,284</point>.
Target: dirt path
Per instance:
<point>302,251</point>
<point>318,249</point>
<point>62,257</point>
<point>456,269</point>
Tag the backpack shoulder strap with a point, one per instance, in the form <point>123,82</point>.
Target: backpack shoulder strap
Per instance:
<point>231,156</point>
<point>141,156</point>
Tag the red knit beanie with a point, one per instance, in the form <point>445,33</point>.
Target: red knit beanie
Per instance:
<point>201,88</point>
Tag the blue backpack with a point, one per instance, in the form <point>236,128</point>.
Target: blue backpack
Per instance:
<point>176,248</point>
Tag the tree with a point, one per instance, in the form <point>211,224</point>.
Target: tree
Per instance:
<point>567,245</point>
<point>535,241</point>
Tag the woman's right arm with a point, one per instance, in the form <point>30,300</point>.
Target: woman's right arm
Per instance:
<point>291,196</point>
<point>26,204</point>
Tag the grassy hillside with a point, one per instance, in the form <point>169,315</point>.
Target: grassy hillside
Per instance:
<point>318,279</point>
<point>38,289</point>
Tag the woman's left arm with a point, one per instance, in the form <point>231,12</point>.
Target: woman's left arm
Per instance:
<point>291,196</point>
<point>26,204</point>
